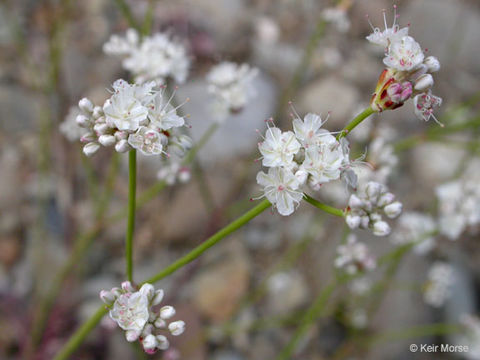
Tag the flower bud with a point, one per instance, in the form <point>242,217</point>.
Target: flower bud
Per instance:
<point>107,140</point>
<point>163,343</point>
<point>97,112</point>
<point>101,128</point>
<point>364,222</point>
<point>373,189</point>
<point>301,176</point>
<point>116,291</point>
<point>355,202</point>
<point>424,82</point>
<point>432,63</point>
<point>148,290</point>
<point>121,135</point>
<point>85,105</point>
<point>91,148</point>
<point>167,312</point>
<point>353,221</point>
<point>393,210</point>
<point>122,146</point>
<point>132,335</point>
<point>107,297</point>
<point>385,199</point>
<point>147,330</point>
<point>82,121</point>
<point>381,228</point>
<point>177,327</point>
<point>160,323</point>
<point>128,287</point>
<point>88,137</point>
<point>185,141</point>
<point>150,344</point>
<point>157,297</point>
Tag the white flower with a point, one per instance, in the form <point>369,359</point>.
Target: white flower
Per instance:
<point>162,115</point>
<point>125,111</point>
<point>438,286</point>
<point>323,163</point>
<point>415,227</point>
<point>354,256</point>
<point>148,141</point>
<point>130,311</point>
<point>388,36</point>
<point>69,127</point>
<point>425,104</point>
<point>280,188</point>
<point>278,148</point>
<point>118,45</point>
<point>177,327</point>
<point>308,131</point>
<point>404,55</point>
<point>232,86</point>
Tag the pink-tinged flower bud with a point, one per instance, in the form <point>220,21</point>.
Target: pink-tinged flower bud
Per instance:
<point>167,312</point>
<point>88,137</point>
<point>107,297</point>
<point>150,344</point>
<point>160,323</point>
<point>373,189</point>
<point>177,327</point>
<point>97,112</point>
<point>381,228</point>
<point>116,291</point>
<point>148,290</point>
<point>393,210</point>
<point>128,287</point>
<point>91,148</point>
<point>121,135</point>
<point>163,343</point>
<point>424,82</point>
<point>132,335</point>
<point>355,202</point>
<point>82,121</point>
<point>390,92</point>
<point>385,199</point>
<point>400,92</point>
<point>353,221</point>
<point>158,297</point>
<point>101,129</point>
<point>122,146</point>
<point>86,105</point>
<point>107,140</point>
<point>432,63</point>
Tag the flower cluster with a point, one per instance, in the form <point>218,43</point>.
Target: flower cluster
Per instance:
<point>459,206</point>
<point>470,336</point>
<point>173,171</point>
<point>69,127</point>
<point>155,57</point>
<point>354,256</point>
<point>438,287</point>
<point>408,73</point>
<point>365,208</point>
<point>415,227</point>
<point>134,312</point>
<point>308,156</point>
<point>231,84</point>
<point>135,116</point>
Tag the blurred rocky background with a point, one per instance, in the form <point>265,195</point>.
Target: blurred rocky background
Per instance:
<point>245,297</point>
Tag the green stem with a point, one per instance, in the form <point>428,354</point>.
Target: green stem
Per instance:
<point>327,208</point>
<point>127,13</point>
<point>132,186</point>
<point>200,249</point>
<point>79,336</point>
<point>355,122</point>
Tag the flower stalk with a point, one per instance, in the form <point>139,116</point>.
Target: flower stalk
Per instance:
<point>327,208</point>
<point>132,186</point>
<point>355,122</point>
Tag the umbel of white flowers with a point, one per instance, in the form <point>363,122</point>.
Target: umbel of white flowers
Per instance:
<point>134,117</point>
<point>305,158</point>
<point>408,73</point>
<point>134,312</point>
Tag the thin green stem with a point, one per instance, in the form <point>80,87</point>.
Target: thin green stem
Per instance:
<point>78,337</point>
<point>355,122</point>
<point>327,208</point>
<point>127,13</point>
<point>132,186</point>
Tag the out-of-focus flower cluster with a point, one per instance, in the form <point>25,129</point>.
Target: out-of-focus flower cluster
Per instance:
<point>408,73</point>
<point>438,286</point>
<point>134,117</point>
<point>134,311</point>
<point>232,87</point>
<point>366,207</point>
<point>354,256</point>
<point>148,58</point>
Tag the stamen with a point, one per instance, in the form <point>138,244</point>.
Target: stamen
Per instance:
<point>293,109</point>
